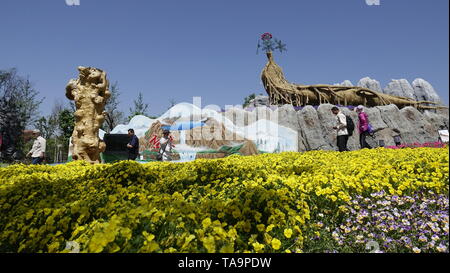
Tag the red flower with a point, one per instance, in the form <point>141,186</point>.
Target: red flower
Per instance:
<point>266,36</point>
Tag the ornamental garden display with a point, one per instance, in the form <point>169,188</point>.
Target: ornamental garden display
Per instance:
<point>90,93</point>
<point>281,91</point>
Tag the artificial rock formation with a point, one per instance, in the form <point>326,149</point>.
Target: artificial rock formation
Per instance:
<point>400,88</point>
<point>425,91</point>
<point>145,142</point>
<point>212,135</point>
<point>369,84</point>
<point>259,101</point>
<point>345,83</point>
<point>90,93</point>
<point>315,126</point>
<point>249,148</point>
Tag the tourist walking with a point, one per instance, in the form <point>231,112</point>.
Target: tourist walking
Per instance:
<point>133,145</point>
<point>363,127</point>
<point>165,149</point>
<point>37,152</point>
<point>341,128</point>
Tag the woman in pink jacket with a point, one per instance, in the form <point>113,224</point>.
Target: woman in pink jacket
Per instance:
<point>363,127</point>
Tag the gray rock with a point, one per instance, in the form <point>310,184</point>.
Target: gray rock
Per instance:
<point>443,112</point>
<point>439,121</point>
<point>238,116</point>
<point>287,117</point>
<point>423,90</point>
<point>370,84</point>
<point>385,135</point>
<point>312,134</point>
<point>263,112</point>
<point>393,118</point>
<point>423,130</point>
<point>345,83</point>
<point>259,101</point>
<point>315,127</point>
<point>353,141</point>
<point>400,88</point>
<point>375,119</point>
<point>327,121</point>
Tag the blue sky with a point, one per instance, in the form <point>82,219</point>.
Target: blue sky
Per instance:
<point>177,49</point>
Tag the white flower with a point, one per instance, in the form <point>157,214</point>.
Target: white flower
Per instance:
<point>441,248</point>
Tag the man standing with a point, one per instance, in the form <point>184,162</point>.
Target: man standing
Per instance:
<point>133,145</point>
<point>341,127</point>
<point>37,152</point>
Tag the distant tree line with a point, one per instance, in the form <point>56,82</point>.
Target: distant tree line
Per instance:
<point>19,104</point>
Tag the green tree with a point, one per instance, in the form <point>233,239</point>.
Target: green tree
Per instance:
<point>20,91</point>
<point>19,104</point>
<point>248,99</point>
<point>57,128</point>
<point>66,123</point>
<point>140,108</point>
<point>48,126</point>
<point>113,116</point>
<point>29,102</point>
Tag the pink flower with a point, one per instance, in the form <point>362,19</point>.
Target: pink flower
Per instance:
<point>266,36</point>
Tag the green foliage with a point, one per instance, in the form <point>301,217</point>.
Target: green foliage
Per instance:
<point>47,126</point>
<point>113,116</point>
<point>19,104</point>
<point>140,108</point>
<point>230,149</point>
<point>20,92</point>
<point>248,99</point>
<point>66,123</point>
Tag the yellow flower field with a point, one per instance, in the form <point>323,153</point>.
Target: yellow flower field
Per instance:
<point>264,203</point>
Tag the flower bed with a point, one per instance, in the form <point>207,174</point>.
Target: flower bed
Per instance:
<point>419,145</point>
<point>417,223</point>
<point>289,202</point>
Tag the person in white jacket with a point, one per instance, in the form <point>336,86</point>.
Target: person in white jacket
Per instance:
<point>37,152</point>
<point>166,146</point>
<point>341,128</point>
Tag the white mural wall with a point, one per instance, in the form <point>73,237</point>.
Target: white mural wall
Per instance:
<point>268,135</point>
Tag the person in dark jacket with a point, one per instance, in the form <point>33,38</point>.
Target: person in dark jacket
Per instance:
<point>133,145</point>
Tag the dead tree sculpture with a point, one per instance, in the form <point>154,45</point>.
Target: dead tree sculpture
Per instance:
<point>90,93</point>
<point>281,91</point>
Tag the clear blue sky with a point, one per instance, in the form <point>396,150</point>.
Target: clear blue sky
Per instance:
<point>177,49</point>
